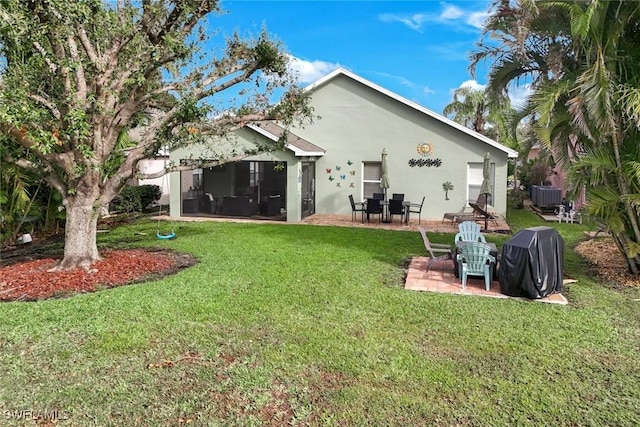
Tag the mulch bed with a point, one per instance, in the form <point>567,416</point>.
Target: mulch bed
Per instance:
<point>30,280</point>
<point>607,262</point>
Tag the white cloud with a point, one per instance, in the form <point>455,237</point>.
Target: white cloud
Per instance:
<point>414,21</point>
<point>476,19</point>
<point>449,15</point>
<point>473,84</point>
<point>428,91</point>
<point>453,51</point>
<point>451,12</point>
<point>519,94</point>
<point>310,71</point>
<point>402,80</point>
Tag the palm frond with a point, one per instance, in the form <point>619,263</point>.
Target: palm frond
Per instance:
<point>629,98</point>
<point>604,202</point>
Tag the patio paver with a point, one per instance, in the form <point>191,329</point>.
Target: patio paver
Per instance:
<point>441,278</point>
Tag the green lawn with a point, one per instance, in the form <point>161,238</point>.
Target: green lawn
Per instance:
<point>308,325</point>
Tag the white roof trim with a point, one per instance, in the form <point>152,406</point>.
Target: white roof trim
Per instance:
<point>296,150</point>
<point>263,132</point>
<point>510,153</point>
<point>301,153</point>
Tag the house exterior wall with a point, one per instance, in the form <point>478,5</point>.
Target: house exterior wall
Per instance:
<point>358,122</point>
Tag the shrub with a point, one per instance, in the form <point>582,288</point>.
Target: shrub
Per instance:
<point>134,198</point>
<point>517,198</point>
<point>534,173</point>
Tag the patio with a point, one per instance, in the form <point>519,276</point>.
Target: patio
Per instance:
<point>435,226</point>
<point>441,278</point>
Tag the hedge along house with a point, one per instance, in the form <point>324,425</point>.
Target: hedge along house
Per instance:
<point>340,155</point>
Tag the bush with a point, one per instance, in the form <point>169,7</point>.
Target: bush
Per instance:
<point>534,173</point>
<point>517,198</point>
<point>136,198</point>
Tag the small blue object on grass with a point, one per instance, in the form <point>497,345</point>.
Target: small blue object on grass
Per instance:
<point>169,236</point>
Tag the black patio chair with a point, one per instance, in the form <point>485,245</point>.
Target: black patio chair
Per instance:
<point>374,207</point>
<point>417,208</point>
<point>396,208</point>
<point>378,196</point>
<point>355,207</point>
<point>397,196</point>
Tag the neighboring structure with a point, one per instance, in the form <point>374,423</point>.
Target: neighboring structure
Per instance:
<point>558,177</point>
<point>149,166</point>
<point>340,154</point>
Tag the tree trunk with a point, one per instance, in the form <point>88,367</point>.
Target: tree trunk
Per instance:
<point>630,210</point>
<point>80,247</point>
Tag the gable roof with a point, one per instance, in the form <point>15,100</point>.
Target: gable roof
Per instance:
<point>300,147</point>
<point>342,72</point>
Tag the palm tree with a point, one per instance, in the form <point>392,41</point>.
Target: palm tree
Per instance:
<point>582,61</point>
<point>484,112</point>
<point>469,108</point>
<point>18,200</point>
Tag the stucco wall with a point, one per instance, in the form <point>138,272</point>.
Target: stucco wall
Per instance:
<point>357,123</point>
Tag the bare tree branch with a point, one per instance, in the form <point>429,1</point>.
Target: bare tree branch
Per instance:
<point>248,70</point>
<point>88,47</point>
<point>52,66</point>
<point>238,121</point>
<point>48,105</point>
<point>190,166</point>
<point>81,81</point>
<point>50,178</point>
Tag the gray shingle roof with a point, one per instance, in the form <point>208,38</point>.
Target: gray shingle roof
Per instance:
<point>300,146</point>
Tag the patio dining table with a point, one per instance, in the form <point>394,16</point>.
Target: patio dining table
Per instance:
<point>406,204</point>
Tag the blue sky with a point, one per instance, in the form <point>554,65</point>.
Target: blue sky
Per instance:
<point>417,49</point>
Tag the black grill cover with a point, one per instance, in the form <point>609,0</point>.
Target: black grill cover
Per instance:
<point>531,263</point>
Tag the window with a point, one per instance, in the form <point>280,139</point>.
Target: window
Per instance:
<point>197,179</point>
<point>256,174</point>
<point>474,182</point>
<point>371,175</point>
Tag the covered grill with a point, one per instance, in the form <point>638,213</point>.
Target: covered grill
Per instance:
<point>531,263</point>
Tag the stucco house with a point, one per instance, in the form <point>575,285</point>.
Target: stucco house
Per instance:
<point>340,155</point>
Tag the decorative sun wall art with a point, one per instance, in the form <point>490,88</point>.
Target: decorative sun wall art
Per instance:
<point>425,151</point>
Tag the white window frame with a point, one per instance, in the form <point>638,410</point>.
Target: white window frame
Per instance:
<point>369,181</point>
<point>474,178</point>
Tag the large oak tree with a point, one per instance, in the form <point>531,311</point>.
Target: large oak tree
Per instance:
<point>80,77</point>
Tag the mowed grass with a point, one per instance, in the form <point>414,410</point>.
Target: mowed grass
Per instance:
<point>307,325</point>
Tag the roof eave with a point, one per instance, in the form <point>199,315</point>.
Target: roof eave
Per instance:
<point>302,153</point>
<point>296,150</point>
